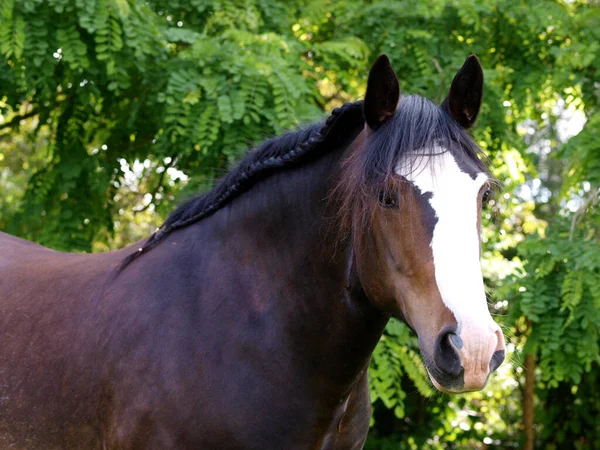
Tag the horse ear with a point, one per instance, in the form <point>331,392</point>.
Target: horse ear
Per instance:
<point>464,99</point>
<point>383,93</point>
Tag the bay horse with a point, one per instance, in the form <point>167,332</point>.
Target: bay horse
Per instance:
<point>248,320</point>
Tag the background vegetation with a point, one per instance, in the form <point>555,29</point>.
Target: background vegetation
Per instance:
<point>111,110</point>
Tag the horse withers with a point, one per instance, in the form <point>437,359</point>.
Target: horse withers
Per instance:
<point>248,320</point>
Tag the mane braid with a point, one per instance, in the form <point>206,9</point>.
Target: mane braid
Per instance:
<point>270,156</point>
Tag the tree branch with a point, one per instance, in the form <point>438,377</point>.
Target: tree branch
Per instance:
<point>440,90</point>
<point>589,201</point>
<point>15,120</point>
<point>528,402</point>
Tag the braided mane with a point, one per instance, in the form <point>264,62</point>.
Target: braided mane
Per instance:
<point>279,153</point>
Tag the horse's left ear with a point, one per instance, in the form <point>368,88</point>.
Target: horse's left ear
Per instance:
<point>464,99</point>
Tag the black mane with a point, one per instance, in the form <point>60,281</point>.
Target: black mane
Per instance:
<point>417,124</point>
<point>278,153</point>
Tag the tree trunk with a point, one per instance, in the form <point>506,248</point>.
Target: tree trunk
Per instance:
<point>528,406</point>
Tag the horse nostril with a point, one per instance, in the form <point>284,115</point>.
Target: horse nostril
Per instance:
<point>496,360</point>
<point>445,354</point>
<point>498,356</point>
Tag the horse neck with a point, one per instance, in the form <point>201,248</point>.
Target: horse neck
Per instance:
<point>300,268</point>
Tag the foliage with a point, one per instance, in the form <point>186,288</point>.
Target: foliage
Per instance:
<point>576,408</point>
<point>113,79</point>
<point>396,356</point>
<point>110,110</point>
<point>560,295</point>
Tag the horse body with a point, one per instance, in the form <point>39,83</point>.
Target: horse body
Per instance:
<point>212,340</point>
<point>45,361</point>
<point>248,321</point>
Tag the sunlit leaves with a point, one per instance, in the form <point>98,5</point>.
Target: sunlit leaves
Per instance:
<point>559,295</point>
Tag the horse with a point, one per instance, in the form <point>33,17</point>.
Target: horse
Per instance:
<point>247,321</point>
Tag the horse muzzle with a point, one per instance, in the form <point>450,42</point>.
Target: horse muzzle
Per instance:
<point>463,360</point>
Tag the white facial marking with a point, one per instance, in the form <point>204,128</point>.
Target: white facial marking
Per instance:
<point>455,241</point>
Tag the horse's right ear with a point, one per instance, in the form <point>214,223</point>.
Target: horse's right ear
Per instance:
<point>383,93</point>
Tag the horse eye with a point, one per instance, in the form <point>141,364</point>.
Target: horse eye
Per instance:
<point>486,196</point>
<point>388,199</point>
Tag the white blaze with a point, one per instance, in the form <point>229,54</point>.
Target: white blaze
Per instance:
<point>455,241</point>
